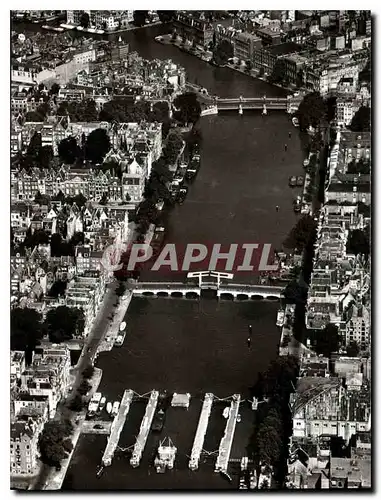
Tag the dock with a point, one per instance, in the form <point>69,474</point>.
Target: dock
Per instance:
<point>144,429</point>
<point>222,461</point>
<point>116,427</point>
<point>201,431</point>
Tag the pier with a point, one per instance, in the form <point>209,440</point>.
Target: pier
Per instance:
<point>144,429</point>
<point>201,431</point>
<point>116,427</point>
<point>222,461</point>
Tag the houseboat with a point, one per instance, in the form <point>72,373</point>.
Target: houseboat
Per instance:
<point>297,204</point>
<point>183,191</point>
<point>280,318</point>
<point>52,28</point>
<point>102,404</point>
<point>120,339</point>
<point>115,409</point>
<point>165,457</point>
<point>94,404</point>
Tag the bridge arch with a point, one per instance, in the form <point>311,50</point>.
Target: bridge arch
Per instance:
<point>162,293</point>
<point>242,296</point>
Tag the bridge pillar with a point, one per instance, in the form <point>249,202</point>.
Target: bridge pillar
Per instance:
<point>240,109</point>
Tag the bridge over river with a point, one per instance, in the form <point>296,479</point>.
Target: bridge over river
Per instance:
<point>229,290</point>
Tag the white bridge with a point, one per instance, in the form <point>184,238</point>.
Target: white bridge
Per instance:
<point>230,290</point>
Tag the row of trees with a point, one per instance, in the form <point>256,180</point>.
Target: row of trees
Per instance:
<point>54,442</point>
<point>93,148</point>
<point>222,52</point>
<point>28,327</point>
<point>268,443</point>
<point>359,167</point>
<point>361,121</point>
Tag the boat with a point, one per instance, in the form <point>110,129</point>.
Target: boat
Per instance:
<point>182,194</point>
<point>94,404</point>
<point>264,111</point>
<point>253,480</point>
<point>297,205</point>
<point>80,28</point>
<point>292,181</point>
<point>122,326</point>
<point>109,407</point>
<point>120,339</point>
<point>102,403</point>
<point>300,181</point>
<point>165,457</point>
<point>115,409</point>
<point>100,470</point>
<point>295,121</point>
<point>52,28</point>
<point>280,318</point>
<point>158,421</point>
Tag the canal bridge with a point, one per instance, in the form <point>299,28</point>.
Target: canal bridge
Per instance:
<point>229,290</point>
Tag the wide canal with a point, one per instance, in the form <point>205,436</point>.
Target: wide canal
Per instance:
<point>199,346</point>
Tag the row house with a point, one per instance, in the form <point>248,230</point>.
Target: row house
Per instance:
<point>48,375</point>
<point>244,44</point>
<point>357,326</point>
<point>86,292</point>
<point>346,108</point>
<point>87,259</point>
<point>16,141</point>
<point>24,447</point>
<point>17,365</point>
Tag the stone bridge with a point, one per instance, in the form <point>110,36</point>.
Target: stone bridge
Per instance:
<point>227,291</point>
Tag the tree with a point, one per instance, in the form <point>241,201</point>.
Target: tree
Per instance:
<point>140,17</point>
<point>172,148</point>
<point>361,120</point>
<point>88,372</point>
<point>84,387</point>
<point>301,234</point>
<point>55,88</point>
<point>45,157</point>
<point>326,340</point>
<point>249,65</point>
<point>77,403</point>
<point>51,442</point>
<point>84,20</point>
<point>166,16</point>
<point>63,322</point>
<point>223,52</point>
<point>353,350</point>
<point>26,329</point>
<point>68,150</point>
<point>279,72</point>
<point>97,145</point>
<point>311,111</point>
<point>189,109</point>
<point>359,242</point>
<point>33,116</point>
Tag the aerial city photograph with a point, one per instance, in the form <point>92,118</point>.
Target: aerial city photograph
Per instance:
<point>190,263</point>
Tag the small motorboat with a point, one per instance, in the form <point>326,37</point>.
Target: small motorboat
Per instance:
<point>292,181</point>
<point>295,121</point>
<point>182,194</point>
<point>109,407</point>
<point>102,403</point>
<point>298,204</point>
<point>122,326</point>
<point>300,181</point>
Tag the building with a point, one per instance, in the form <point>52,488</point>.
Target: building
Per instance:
<point>357,328</point>
<point>24,448</point>
<point>192,28</point>
<point>349,473</point>
<point>346,108</point>
<point>270,35</point>
<point>323,406</point>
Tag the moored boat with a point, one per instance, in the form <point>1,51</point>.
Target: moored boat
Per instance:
<point>120,339</point>
<point>300,181</point>
<point>280,318</point>
<point>182,194</point>
<point>295,121</point>
<point>115,409</point>
<point>292,181</point>
<point>109,407</point>
<point>102,403</point>
<point>122,326</point>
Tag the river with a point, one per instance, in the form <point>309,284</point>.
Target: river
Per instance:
<point>198,346</point>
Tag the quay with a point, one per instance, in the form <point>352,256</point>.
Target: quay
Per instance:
<point>116,427</point>
<point>222,461</point>
<point>144,429</point>
<point>201,431</point>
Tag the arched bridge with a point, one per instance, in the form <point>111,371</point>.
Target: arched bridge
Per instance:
<point>230,290</point>
<point>252,103</point>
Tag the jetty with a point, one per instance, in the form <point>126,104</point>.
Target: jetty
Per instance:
<point>144,429</point>
<point>222,461</point>
<point>117,426</point>
<point>201,431</point>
